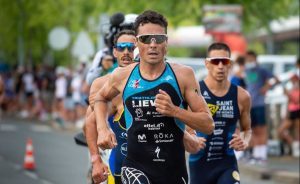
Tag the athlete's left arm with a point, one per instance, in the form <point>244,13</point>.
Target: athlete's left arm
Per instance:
<point>199,117</point>
<point>241,140</point>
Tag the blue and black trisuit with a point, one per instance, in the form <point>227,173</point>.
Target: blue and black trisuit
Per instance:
<point>216,163</point>
<point>155,150</point>
<point>118,154</point>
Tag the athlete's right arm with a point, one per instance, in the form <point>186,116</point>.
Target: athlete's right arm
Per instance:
<point>112,87</point>
<point>99,168</point>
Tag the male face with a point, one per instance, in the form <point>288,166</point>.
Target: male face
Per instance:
<point>123,50</point>
<point>152,43</point>
<point>250,59</point>
<point>218,64</point>
<point>107,62</point>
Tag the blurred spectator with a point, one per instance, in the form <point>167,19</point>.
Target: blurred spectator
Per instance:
<point>293,116</point>
<point>60,95</point>
<point>1,90</point>
<point>30,88</point>
<point>9,100</point>
<point>107,62</point>
<point>258,83</point>
<point>78,97</point>
<point>238,77</point>
<point>68,102</point>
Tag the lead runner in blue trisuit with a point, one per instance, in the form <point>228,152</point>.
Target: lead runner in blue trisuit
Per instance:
<point>155,96</point>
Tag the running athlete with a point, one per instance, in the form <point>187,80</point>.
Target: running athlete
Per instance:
<point>155,96</point>
<point>228,103</point>
<point>123,51</point>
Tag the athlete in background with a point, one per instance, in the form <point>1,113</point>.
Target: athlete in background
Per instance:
<point>216,163</point>
<point>123,51</point>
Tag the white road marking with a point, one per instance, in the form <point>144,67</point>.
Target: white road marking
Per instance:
<point>46,182</point>
<point>8,128</point>
<point>40,128</point>
<point>31,175</point>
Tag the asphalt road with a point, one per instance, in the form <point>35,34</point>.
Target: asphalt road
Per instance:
<point>58,159</point>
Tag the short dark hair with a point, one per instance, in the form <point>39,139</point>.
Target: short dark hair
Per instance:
<point>251,53</point>
<point>240,60</point>
<point>150,16</point>
<point>123,32</point>
<point>219,46</point>
<point>298,61</point>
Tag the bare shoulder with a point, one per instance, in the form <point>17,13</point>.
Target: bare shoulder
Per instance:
<point>244,97</point>
<point>181,68</point>
<point>182,71</point>
<point>98,83</point>
<point>123,72</point>
<point>120,75</point>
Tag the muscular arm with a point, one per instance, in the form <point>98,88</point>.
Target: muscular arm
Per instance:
<point>240,141</point>
<point>199,118</point>
<point>245,120</point>
<point>112,87</point>
<point>91,132</point>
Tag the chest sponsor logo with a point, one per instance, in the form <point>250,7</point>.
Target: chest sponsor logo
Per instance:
<point>226,109</point>
<point>213,108</point>
<point>123,135</point>
<point>157,155</point>
<point>215,148</point>
<point>163,137</point>
<point>206,95</point>
<point>216,143</point>
<point>139,112</point>
<point>168,77</point>
<point>142,103</point>
<point>217,138</point>
<point>135,83</point>
<point>142,138</point>
<point>124,149</point>
<point>220,123</point>
<point>218,131</point>
<point>154,126</point>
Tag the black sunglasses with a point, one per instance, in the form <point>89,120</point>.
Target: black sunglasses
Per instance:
<point>217,60</point>
<point>157,38</point>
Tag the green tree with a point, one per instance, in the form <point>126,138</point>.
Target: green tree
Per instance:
<point>29,22</point>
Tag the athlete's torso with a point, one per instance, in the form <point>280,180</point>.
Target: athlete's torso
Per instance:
<point>155,142</point>
<point>225,112</point>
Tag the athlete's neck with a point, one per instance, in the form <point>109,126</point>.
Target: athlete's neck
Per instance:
<point>152,71</point>
<point>218,88</point>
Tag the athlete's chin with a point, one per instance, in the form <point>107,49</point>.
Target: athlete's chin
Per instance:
<point>220,79</point>
<point>153,61</point>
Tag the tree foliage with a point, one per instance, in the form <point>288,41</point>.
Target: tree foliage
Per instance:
<point>32,19</point>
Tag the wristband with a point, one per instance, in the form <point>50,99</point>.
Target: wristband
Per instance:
<point>95,157</point>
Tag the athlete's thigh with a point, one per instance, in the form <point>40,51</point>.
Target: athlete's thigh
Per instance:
<point>199,175</point>
<point>229,176</point>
